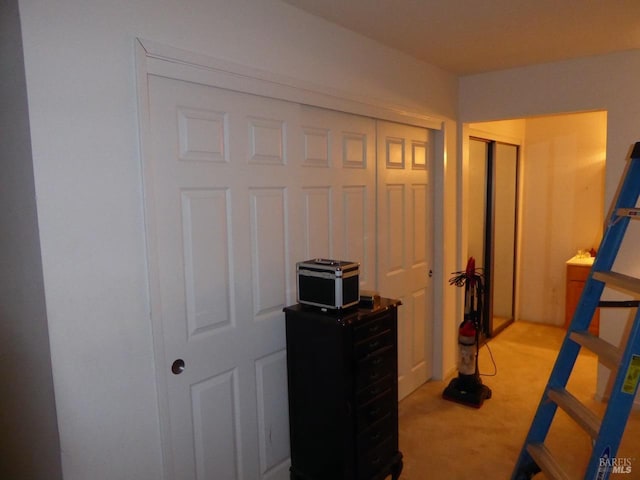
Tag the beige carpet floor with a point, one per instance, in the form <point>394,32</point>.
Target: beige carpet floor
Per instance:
<point>448,441</point>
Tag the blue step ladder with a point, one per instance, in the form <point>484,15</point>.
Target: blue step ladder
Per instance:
<point>624,362</point>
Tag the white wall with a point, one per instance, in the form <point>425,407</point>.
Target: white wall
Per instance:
<point>79,57</point>
<point>608,83</point>
<point>562,206</point>
<point>29,445</point>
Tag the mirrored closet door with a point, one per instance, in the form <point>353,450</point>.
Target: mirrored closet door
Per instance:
<point>492,226</point>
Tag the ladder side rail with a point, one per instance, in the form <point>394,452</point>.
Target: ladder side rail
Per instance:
<point>627,195</point>
<point>618,409</point>
<point>620,403</point>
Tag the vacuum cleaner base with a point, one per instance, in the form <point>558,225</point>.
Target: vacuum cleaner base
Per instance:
<point>470,392</point>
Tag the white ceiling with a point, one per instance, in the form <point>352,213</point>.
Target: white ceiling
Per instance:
<point>472,36</point>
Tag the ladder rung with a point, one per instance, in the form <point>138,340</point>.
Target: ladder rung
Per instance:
<point>619,303</point>
<point>619,281</point>
<point>576,410</point>
<point>607,353</point>
<point>629,212</point>
<point>543,458</point>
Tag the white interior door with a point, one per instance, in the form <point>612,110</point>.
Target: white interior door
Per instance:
<point>405,244</point>
<point>222,264</point>
<point>238,188</point>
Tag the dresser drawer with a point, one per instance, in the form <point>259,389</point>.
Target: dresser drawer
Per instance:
<point>368,414</point>
<point>370,462</point>
<point>373,390</point>
<point>375,367</point>
<point>377,433</point>
<point>372,344</point>
<point>377,325</point>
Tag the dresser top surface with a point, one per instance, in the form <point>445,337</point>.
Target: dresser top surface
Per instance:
<point>346,315</point>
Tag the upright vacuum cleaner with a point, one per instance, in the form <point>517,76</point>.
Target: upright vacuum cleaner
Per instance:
<point>467,387</point>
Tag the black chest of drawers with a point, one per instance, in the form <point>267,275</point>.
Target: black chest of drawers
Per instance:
<point>342,372</point>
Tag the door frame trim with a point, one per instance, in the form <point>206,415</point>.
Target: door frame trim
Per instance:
<point>181,64</point>
<point>157,59</point>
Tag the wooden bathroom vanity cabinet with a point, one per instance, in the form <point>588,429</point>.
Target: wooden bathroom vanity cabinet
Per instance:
<point>577,272</point>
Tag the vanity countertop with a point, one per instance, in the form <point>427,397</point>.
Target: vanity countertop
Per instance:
<point>578,260</point>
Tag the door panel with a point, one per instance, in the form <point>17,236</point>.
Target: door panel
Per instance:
<point>224,273</point>
<point>493,177</point>
<point>404,236</point>
<point>504,235</point>
<point>338,181</point>
<point>239,188</point>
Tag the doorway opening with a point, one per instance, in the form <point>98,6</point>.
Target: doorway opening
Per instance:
<point>559,206</point>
